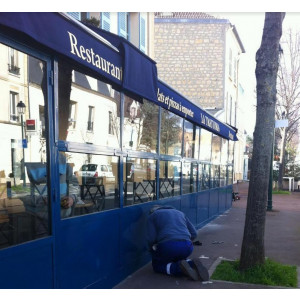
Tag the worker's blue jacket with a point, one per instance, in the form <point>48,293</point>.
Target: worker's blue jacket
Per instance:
<point>166,223</point>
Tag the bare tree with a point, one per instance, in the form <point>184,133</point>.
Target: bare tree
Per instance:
<point>267,62</point>
<point>288,103</point>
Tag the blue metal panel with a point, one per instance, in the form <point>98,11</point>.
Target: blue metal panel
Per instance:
<point>222,199</point>
<point>229,197</point>
<point>27,266</point>
<point>214,203</point>
<point>133,245</point>
<point>87,249</point>
<point>189,206</point>
<point>202,207</point>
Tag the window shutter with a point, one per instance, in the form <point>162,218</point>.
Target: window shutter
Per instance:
<point>142,34</point>
<point>75,15</point>
<point>105,21</point>
<point>122,19</point>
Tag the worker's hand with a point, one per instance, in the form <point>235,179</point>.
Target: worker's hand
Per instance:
<point>66,202</point>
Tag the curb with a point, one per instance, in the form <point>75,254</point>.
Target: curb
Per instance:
<point>220,259</point>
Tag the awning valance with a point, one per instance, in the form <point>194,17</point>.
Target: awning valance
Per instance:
<point>176,103</point>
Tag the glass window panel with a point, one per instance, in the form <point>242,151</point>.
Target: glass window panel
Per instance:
<point>189,178</point>
<point>24,200</point>
<point>230,175</point>
<point>205,145</point>
<point>171,133</point>
<point>88,183</point>
<point>223,175</point>
<point>204,176</point>
<point>224,152</point>
<point>215,176</point>
<point>216,149</point>
<point>191,137</point>
<point>140,125</point>
<point>139,180</point>
<point>98,104</point>
<point>169,178</point>
<point>230,152</point>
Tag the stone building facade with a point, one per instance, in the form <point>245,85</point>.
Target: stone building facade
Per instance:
<point>190,57</point>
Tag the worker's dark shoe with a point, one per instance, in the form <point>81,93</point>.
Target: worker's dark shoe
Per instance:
<point>201,270</point>
<point>188,270</point>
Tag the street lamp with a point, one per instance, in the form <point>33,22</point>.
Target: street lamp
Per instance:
<point>21,107</point>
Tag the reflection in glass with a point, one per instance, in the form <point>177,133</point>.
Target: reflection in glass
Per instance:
<point>140,125</point>
<point>230,152</point>
<point>216,149</point>
<point>139,180</point>
<point>169,178</point>
<point>24,200</point>
<point>224,152</point>
<point>89,110</point>
<point>205,145</point>
<point>191,140</point>
<point>189,177</point>
<point>230,175</point>
<point>223,175</point>
<point>204,176</point>
<point>215,176</point>
<point>91,183</point>
<point>171,133</point>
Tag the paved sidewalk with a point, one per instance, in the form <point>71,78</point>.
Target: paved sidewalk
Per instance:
<point>223,238</point>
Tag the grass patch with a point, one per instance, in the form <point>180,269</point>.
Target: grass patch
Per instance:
<point>271,273</point>
<point>280,192</point>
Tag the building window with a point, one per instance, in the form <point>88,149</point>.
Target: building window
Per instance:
<point>105,21</point>
<point>72,115</point>
<point>13,61</point>
<point>90,124</point>
<point>139,176</point>
<point>171,133</point>
<point>140,125</point>
<point>123,25</point>
<point>14,99</point>
<point>191,140</point>
<point>143,33</point>
<point>169,179</point>
<point>204,176</point>
<point>205,145</point>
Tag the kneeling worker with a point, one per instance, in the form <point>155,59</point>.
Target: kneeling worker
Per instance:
<point>170,235</point>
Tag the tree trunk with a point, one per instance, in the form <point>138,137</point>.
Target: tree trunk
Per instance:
<point>267,62</point>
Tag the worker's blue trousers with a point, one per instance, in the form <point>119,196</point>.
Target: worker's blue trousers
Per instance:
<point>167,256</point>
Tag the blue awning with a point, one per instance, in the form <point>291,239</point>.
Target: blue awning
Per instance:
<point>176,103</point>
<point>113,58</point>
<point>126,67</point>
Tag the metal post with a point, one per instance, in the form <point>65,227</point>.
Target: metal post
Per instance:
<point>23,162</point>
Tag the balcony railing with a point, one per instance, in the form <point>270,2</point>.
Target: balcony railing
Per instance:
<point>13,69</point>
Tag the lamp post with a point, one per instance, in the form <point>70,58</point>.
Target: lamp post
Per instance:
<point>21,107</point>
